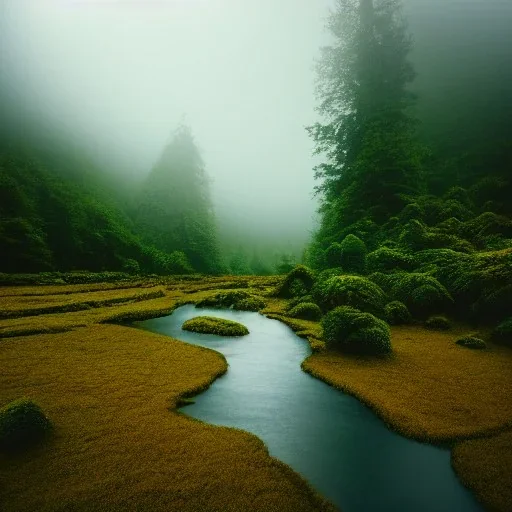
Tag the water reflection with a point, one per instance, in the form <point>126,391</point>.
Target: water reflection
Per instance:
<point>334,441</point>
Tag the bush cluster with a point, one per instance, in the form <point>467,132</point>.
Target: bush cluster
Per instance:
<point>306,310</point>
<point>298,282</point>
<point>438,323</point>
<point>471,342</point>
<point>239,300</point>
<point>350,330</point>
<point>214,325</point>
<point>396,313</point>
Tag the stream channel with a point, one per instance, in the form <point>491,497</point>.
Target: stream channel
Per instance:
<point>339,445</point>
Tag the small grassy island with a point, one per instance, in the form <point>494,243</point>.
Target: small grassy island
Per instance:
<point>214,325</point>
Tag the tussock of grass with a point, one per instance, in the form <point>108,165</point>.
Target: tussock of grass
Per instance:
<point>214,325</point>
<point>118,447</point>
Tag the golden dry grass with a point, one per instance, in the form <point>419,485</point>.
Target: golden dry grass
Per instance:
<point>485,465</point>
<point>118,445</point>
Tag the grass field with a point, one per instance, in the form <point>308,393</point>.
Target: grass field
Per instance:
<point>119,443</point>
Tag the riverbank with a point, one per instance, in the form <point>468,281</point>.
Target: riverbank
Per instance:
<point>435,391</point>
<point>119,443</point>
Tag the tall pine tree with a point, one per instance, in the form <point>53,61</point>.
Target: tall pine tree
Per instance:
<point>175,211</point>
<point>368,136</point>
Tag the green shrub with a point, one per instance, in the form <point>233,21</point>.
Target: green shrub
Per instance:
<point>471,342</point>
<point>351,330</point>
<point>298,300</point>
<point>333,254</point>
<point>297,283</point>
<point>396,313</point>
<point>438,323</point>
<point>421,293</point>
<point>459,194</point>
<point>131,266</point>
<point>385,259</point>
<point>238,300</point>
<point>356,291</point>
<point>353,254</point>
<point>503,333</point>
<point>214,325</point>
<point>22,424</point>
<point>410,212</point>
<point>306,310</point>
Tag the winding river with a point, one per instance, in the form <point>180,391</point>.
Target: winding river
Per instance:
<point>334,441</point>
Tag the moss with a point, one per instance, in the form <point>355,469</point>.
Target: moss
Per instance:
<point>22,424</point>
<point>438,323</point>
<point>385,259</point>
<point>356,291</point>
<point>306,310</point>
<point>298,282</point>
<point>333,254</point>
<point>214,325</point>
<point>503,333</point>
<point>471,342</point>
<point>239,300</point>
<point>396,313</point>
<point>350,330</point>
<point>298,300</point>
<point>421,293</point>
<point>353,254</point>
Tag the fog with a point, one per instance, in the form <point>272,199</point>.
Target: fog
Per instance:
<point>120,75</point>
<point>123,74</point>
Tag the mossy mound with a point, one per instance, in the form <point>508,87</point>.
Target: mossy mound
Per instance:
<point>356,291</point>
<point>438,323</point>
<point>350,330</point>
<point>396,313</point>
<point>22,424</point>
<point>297,283</point>
<point>471,342</point>
<point>306,311</point>
<point>239,300</point>
<point>503,333</point>
<point>385,259</point>
<point>421,293</point>
<point>353,254</point>
<point>214,325</point>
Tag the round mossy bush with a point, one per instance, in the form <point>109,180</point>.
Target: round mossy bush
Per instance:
<point>353,254</point>
<point>471,342</point>
<point>356,291</point>
<point>350,330</point>
<point>421,293</point>
<point>396,313</point>
<point>333,254</point>
<point>22,424</point>
<point>297,283</point>
<point>438,323</point>
<point>239,300</point>
<point>306,311</point>
<point>385,259</point>
<point>214,325</point>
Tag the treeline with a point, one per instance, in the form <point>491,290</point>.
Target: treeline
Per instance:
<point>384,179</point>
<point>62,211</point>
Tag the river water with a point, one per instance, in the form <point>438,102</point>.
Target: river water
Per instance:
<point>334,441</point>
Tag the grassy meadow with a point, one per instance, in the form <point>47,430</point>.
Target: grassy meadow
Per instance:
<point>111,392</point>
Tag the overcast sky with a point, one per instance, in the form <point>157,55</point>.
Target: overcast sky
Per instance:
<point>125,72</point>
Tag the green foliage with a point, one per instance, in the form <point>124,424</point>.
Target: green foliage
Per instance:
<point>396,313</point>
<point>333,254</point>
<point>22,424</point>
<point>421,293</point>
<point>438,323</point>
<point>298,282</point>
<point>214,325</point>
<point>385,259</point>
<point>306,310</point>
<point>502,334</point>
<point>353,254</point>
<point>131,266</point>
<point>174,211</point>
<point>238,300</point>
<point>355,291</point>
<point>471,342</point>
<point>351,330</point>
